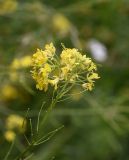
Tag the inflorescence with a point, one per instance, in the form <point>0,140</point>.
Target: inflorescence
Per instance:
<point>71,67</point>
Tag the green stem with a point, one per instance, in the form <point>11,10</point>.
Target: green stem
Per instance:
<point>10,149</point>
<point>53,103</point>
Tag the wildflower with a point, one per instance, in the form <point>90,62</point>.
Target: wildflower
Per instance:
<point>54,82</point>
<point>61,24</point>
<point>92,77</point>
<point>71,67</point>
<point>17,64</point>
<point>9,135</point>
<point>42,66</point>
<point>88,86</point>
<point>8,92</point>
<point>73,58</point>
<point>23,62</point>
<point>65,71</point>
<point>92,67</point>
<point>15,122</point>
<point>50,50</point>
<point>39,58</point>
<point>72,61</point>
<point>42,77</point>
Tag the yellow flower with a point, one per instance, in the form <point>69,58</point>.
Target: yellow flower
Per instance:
<point>16,122</point>
<point>73,58</point>
<point>45,70</point>
<point>61,24</point>
<point>50,50</point>
<point>69,56</point>
<point>39,58</point>
<point>42,77</point>
<point>71,67</point>
<point>92,77</point>
<point>41,69</point>
<point>54,82</point>
<point>8,92</point>
<point>17,64</point>
<point>88,86</point>
<point>72,61</point>
<point>9,135</point>
<point>42,85</point>
<point>65,71</point>
<point>92,67</point>
<point>23,62</point>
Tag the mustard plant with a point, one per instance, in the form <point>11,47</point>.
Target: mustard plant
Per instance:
<point>60,71</point>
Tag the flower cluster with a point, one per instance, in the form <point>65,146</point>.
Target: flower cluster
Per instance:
<point>61,24</point>
<point>14,123</point>
<point>71,67</point>
<point>17,65</point>
<point>22,62</point>
<point>42,66</point>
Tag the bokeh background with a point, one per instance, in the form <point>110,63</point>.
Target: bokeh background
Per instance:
<point>96,123</point>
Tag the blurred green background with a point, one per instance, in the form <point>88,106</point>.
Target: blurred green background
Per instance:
<point>96,123</point>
